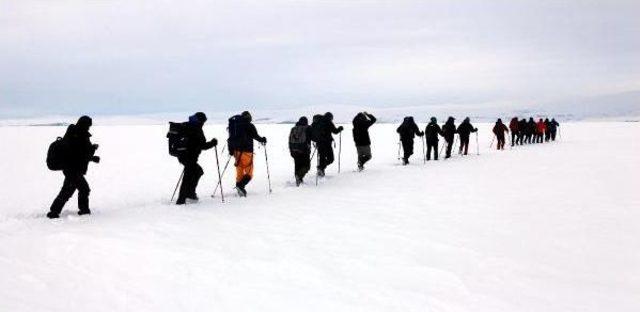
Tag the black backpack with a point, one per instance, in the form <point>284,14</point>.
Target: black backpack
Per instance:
<point>317,128</point>
<point>298,139</point>
<point>58,154</point>
<point>236,135</point>
<point>178,139</point>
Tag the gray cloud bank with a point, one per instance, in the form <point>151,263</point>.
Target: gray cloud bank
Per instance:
<point>134,57</point>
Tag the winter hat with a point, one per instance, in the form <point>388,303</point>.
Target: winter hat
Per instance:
<point>467,119</point>
<point>303,121</point>
<point>433,119</point>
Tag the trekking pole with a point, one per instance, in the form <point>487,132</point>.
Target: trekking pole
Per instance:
<point>492,139</point>
<point>399,146</point>
<point>455,141</point>
<point>313,153</point>
<point>220,182</point>
<point>424,155</point>
<point>266,160</point>
<point>177,184</point>
<point>219,175</point>
<point>339,149</point>
<point>477,145</point>
<point>441,148</point>
<point>317,167</point>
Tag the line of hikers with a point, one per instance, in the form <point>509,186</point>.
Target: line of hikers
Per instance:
<point>72,153</point>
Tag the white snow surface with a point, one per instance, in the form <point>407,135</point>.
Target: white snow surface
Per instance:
<point>551,227</point>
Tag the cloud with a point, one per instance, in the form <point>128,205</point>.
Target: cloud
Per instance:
<point>148,56</point>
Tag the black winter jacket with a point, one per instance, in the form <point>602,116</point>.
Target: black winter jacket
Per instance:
<point>80,149</point>
<point>408,129</point>
<point>361,124</point>
<point>196,143</point>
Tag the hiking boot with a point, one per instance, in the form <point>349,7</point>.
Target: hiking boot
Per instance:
<point>193,196</point>
<point>181,201</point>
<point>241,191</point>
<point>360,167</point>
<point>321,172</point>
<point>84,212</point>
<point>298,180</point>
<point>52,215</point>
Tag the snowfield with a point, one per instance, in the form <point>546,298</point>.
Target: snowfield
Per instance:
<point>545,227</point>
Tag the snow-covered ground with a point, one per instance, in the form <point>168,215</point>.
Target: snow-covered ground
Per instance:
<point>552,227</point>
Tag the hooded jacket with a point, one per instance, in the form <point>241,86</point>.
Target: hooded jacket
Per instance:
<point>361,124</point>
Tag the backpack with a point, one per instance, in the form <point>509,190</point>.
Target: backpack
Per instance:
<point>235,135</point>
<point>298,139</point>
<point>178,139</point>
<point>58,154</point>
<point>317,128</point>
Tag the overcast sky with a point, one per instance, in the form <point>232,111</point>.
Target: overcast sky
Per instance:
<point>121,57</point>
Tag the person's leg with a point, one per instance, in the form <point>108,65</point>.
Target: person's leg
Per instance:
<point>197,174</point>
<point>245,166</point>
<point>429,147</point>
<point>435,150</point>
<point>185,186</point>
<point>83,195</point>
<point>466,146</point>
<point>67,190</point>
<point>305,165</point>
<point>449,145</point>
<point>322,156</point>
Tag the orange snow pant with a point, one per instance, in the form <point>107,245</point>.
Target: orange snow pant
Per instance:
<point>244,166</point>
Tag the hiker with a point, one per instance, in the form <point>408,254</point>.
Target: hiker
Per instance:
<point>408,130</point>
<point>515,134</point>
<point>300,148</point>
<point>241,135</point>
<point>547,134</point>
<point>540,130</point>
<point>78,152</point>
<point>553,128</point>
<point>449,133</point>
<point>464,130</point>
<point>322,130</point>
<point>361,123</point>
<point>531,130</point>
<point>522,130</point>
<point>190,142</point>
<point>431,132</point>
<point>499,129</point>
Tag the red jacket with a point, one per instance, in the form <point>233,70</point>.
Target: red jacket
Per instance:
<point>541,126</point>
<point>513,125</point>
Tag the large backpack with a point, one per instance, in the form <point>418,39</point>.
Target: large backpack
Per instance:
<point>58,154</point>
<point>317,128</point>
<point>235,135</point>
<point>178,139</point>
<point>298,139</point>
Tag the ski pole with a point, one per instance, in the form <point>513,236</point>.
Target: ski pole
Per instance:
<point>399,146</point>
<point>339,149</point>
<point>313,153</point>
<point>424,155</point>
<point>477,145</point>
<point>266,160</point>
<point>220,182</point>
<point>219,175</point>
<point>492,139</point>
<point>177,184</point>
<point>317,167</point>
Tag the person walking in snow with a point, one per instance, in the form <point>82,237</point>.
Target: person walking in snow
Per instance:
<point>531,130</point>
<point>547,134</point>
<point>432,133</point>
<point>242,132</point>
<point>361,123</point>
<point>522,131</point>
<point>499,129</point>
<point>322,130</point>
<point>195,144</point>
<point>553,128</point>
<point>464,131</point>
<point>300,148</point>
<point>79,151</point>
<point>407,131</point>
<point>540,130</point>
<point>515,133</point>
<point>449,133</point>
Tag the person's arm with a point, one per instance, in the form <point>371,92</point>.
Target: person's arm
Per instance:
<point>372,119</point>
<point>333,129</point>
<point>253,133</point>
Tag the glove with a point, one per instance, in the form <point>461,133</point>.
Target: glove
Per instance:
<point>95,146</point>
<point>214,142</point>
<point>263,140</point>
<point>340,128</point>
<point>95,159</point>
